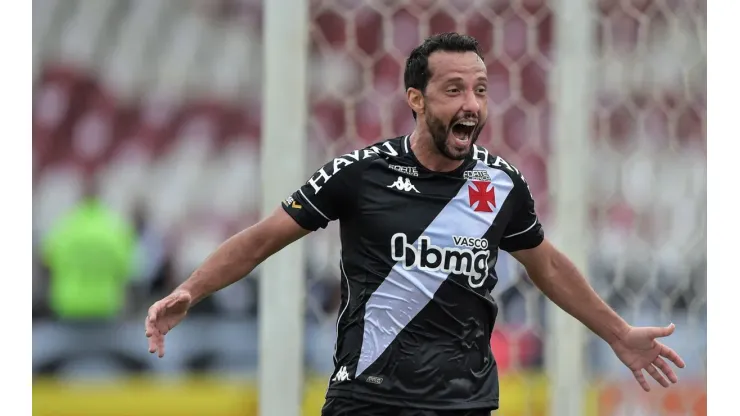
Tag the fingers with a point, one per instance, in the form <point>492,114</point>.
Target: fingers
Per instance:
<point>657,376</point>
<point>155,337</point>
<point>160,346</point>
<point>155,330</point>
<point>148,328</point>
<point>153,344</point>
<point>156,343</point>
<point>150,322</point>
<point>665,369</point>
<point>662,332</point>
<point>154,312</point>
<point>672,356</point>
<point>156,319</point>
<point>641,380</point>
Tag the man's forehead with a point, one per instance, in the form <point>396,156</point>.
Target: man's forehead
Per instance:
<point>445,63</point>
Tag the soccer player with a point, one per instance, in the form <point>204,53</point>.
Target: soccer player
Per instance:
<point>422,218</point>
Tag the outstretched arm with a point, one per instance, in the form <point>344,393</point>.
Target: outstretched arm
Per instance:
<point>556,276</point>
<point>240,254</point>
<point>232,260</point>
<point>324,198</point>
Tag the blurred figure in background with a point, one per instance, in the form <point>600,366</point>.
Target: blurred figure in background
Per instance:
<point>89,254</point>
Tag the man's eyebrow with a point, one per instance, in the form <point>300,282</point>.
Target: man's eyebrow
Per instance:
<point>453,79</point>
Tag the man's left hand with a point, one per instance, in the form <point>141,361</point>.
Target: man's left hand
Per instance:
<point>639,350</point>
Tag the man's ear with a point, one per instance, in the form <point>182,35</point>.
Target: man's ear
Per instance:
<point>415,99</point>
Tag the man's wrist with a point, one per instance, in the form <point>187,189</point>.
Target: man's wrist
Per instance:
<point>186,290</point>
<point>618,332</point>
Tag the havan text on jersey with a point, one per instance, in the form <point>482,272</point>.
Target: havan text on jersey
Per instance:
<point>321,176</point>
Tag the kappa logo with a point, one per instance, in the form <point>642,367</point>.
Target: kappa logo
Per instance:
<point>342,374</point>
<point>403,184</point>
<point>477,175</point>
<point>482,196</point>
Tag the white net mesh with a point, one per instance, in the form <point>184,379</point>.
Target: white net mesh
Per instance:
<point>648,193</point>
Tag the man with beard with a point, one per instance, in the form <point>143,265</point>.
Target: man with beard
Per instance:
<point>422,218</point>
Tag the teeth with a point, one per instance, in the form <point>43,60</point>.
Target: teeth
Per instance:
<point>466,123</point>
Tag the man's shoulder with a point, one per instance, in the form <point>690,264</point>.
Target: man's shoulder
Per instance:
<point>481,154</point>
<point>393,146</point>
<point>387,149</point>
<point>362,157</point>
<point>355,162</point>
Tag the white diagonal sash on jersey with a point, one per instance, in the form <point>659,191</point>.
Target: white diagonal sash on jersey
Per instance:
<point>404,293</point>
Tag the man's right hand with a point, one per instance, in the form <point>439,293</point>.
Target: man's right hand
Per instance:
<point>165,315</point>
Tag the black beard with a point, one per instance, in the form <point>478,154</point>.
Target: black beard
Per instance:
<point>440,132</point>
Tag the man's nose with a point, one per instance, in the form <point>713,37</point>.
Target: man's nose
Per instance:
<point>471,104</point>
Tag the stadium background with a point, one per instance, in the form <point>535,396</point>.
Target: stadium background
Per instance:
<point>159,103</point>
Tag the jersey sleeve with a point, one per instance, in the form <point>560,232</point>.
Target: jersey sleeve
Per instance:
<point>524,230</point>
<point>328,195</point>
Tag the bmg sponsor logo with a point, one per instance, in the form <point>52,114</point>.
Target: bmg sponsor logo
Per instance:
<point>469,256</point>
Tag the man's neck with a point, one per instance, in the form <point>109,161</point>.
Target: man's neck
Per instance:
<point>429,156</point>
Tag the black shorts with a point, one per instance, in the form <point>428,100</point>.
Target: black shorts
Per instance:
<point>337,406</point>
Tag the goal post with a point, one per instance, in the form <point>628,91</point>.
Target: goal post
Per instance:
<point>282,283</point>
<point>571,92</point>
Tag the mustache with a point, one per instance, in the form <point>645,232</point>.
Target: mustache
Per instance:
<point>466,116</point>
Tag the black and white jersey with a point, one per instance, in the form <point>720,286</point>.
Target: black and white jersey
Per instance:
<point>417,266</point>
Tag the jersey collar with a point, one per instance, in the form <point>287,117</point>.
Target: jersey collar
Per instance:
<point>406,149</point>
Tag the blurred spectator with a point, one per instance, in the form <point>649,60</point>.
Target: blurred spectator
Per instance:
<point>90,254</point>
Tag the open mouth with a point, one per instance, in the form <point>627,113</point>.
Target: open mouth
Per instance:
<point>462,130</point>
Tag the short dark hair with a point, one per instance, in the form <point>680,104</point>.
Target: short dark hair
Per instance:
<point>417,73</point>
